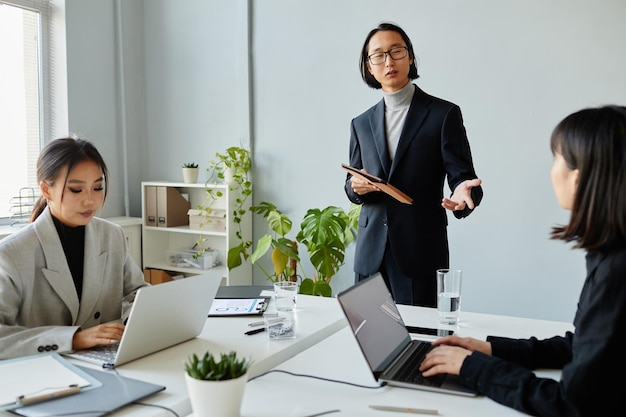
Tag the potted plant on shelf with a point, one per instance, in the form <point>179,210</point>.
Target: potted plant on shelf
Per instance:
<point>325,233</point>
<point>216,387</point>
<point>233,168</point>
<point>190,172</point>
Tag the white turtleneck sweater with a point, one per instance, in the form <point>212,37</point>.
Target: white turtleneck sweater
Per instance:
<point>396,108</point>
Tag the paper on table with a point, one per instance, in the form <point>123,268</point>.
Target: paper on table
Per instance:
<point>380,183</point>
<point>36,375</point>
<point>238,306</point>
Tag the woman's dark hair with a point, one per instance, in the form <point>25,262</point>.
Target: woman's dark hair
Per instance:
<point>65,153</point>
<point>363,62</point>
<point>593,141</point>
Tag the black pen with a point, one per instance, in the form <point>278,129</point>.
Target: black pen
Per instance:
<point>255,331</point>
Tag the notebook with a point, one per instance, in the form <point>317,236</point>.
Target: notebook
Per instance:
<point>393,357</point>
<point>161,316</point>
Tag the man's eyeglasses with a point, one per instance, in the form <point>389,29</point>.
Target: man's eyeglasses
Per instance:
<point>395,54</point>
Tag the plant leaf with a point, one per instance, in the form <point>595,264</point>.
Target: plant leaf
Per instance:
<point>279,223</point>
<point>306,286</point>
<point>235,255</point>
<point>279,260</point>
<point>322,288</point>
<point>263,245</point>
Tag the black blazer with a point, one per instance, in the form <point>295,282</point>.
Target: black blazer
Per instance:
<point>433,144</point>
<point>589,358</point>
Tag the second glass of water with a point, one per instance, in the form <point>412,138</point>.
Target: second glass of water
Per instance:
<point>449,295</point>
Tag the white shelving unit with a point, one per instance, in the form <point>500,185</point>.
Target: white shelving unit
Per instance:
<point>132,232</point>
<point>158,241</point>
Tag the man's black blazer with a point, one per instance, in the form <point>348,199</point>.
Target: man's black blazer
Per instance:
<point>433,145</point>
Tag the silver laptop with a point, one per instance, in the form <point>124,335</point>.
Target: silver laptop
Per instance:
<point>393,357</point>
<point>161,316</point>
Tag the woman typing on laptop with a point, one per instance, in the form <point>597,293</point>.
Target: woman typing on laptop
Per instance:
<point>589,179</point>
<point>63,277</point>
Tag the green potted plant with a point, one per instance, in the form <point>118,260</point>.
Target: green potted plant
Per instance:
<point>233,167</point>
<point>325,233</point>
<point>216,387</point>
<point>190,172</point>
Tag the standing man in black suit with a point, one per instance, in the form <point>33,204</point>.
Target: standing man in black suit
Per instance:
<point>412,140</point>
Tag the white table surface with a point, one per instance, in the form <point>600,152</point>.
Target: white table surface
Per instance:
<point>338,357</point>
<point>316,319</point>
<point>324,347</point>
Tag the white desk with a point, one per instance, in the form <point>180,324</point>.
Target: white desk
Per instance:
<point>316,319</point>
<point>323,347</point>
<point>338,357</point>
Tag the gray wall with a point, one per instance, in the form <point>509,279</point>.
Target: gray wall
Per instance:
<point>179,70</point>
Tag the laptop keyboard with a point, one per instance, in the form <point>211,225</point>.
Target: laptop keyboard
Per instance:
<point>410,369</point>
<point>100,353</point>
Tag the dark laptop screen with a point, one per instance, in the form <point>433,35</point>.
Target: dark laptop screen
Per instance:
<point>375,321</point>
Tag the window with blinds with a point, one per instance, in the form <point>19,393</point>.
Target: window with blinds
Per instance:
<point>24,102</point>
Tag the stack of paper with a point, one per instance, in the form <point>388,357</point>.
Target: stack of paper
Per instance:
<point>214,221</point>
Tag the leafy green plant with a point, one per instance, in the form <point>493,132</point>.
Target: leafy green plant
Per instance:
<point>208,369</point>
<point>324,232</point>
<point>284,255</point>
<point>190,165</point>
<point>238,161</point>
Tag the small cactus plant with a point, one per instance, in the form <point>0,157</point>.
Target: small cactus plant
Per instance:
<point>208,369</point>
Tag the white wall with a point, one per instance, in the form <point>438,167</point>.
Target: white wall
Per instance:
<point>515,67</point>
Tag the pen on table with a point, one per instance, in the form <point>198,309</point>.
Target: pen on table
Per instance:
<point>261,323</point>
<point>32,399</point>
<point>255,331</point>
<point>405,409</point>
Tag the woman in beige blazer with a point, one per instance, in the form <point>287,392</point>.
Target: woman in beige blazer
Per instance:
<point>64,277</point>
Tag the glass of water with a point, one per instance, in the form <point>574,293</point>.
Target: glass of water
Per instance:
<point>449,295</point>
<point>285,295</point>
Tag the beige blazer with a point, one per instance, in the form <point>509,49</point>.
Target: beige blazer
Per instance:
<point>39,307</point>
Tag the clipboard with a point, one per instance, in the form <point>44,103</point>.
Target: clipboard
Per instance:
<point>41,375</point>
<point>380,183</point>
<point>225,307</point>
<point>114,391</point>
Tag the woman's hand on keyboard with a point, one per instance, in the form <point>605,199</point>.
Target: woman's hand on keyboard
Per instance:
<point>102,334</point>
<point>468,343</point>
<point>444,359</point>
<point>448,354</point>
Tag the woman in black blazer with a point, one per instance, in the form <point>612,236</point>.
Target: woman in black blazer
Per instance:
<point>589,179</point>
<point>414,141</point>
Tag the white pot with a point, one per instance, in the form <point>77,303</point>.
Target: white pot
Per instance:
<point>229,176</point>
<point>190,175</point>
<point>216,398</point>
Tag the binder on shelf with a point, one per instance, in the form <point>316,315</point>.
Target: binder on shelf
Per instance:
<point>151,205</point>
<point>172,207</point>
